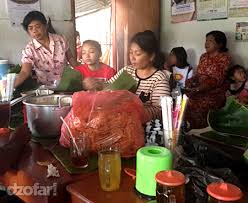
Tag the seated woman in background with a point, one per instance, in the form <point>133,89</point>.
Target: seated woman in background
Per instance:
<point>146,68</point>
<point>177,63</point>
<point>206,90</point>
<point>238,83</point>
<point>92,67</point>
<point>46,53</point>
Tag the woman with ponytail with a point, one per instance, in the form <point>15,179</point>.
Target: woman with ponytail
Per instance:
<point>146,68</point>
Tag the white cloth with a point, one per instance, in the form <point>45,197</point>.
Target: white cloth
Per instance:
<point>180,75</point>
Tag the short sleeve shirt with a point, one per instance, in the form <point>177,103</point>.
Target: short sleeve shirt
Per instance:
<point>47,65</point>
<point>104,72</point>
<point>181,75</point>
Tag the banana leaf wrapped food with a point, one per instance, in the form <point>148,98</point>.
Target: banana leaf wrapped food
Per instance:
<point>232,119</point>
<point>71,81</point>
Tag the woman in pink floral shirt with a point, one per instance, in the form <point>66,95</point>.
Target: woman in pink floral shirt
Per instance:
<point>46,53</point>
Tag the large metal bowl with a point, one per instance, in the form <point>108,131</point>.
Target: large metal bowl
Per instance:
<point>43,114</point>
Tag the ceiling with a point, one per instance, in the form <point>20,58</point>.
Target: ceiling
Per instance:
<point>83,7</point>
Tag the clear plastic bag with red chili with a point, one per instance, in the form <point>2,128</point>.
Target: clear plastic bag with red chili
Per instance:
<point>109,118</point>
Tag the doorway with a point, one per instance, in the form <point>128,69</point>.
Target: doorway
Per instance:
<point>113,22</point>
<point>93,22</point>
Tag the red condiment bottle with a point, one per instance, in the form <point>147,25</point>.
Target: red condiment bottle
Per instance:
<point>223,192</point>
<point>170,187</point>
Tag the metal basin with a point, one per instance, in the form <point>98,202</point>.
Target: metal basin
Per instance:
<point>43,114</point>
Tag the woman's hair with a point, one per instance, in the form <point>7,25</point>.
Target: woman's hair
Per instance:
<point>148,43</point>
<point>37,15</point>
<point>31,16</point>
<point>231,71</point>
<point>220,39</point>
<point>77,33</point>
<point>181,56</point>
<point>94,44</point>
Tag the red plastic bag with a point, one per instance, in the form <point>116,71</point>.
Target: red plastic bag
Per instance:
<point>109,118</point>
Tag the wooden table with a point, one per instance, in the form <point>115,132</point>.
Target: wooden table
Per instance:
<point>82,188</point>
<point>28,172</point>
<point>89,191</point>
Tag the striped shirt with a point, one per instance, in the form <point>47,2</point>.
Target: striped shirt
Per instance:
<point>149,90</point>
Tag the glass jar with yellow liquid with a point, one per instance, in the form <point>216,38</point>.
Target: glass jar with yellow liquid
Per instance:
<point>109,168</point>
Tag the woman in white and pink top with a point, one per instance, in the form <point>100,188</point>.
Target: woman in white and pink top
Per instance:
<point>46,53</point>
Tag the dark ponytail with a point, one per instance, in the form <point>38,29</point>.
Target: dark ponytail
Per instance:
<point>50,28</point>
<point>148,42</point>
<point>159,60</point>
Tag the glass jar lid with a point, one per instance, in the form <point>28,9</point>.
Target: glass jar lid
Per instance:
<point>224,191</point>
<point>170,178</point>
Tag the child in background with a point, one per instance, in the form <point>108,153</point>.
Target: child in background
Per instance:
<point>92,67</point>
<point>180,68</point>
<point>79,47</point>
<point>238,83</point>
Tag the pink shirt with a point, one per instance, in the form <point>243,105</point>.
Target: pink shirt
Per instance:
<point>48,65</point>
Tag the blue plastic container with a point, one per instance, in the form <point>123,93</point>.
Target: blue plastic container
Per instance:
<point>4,67</point>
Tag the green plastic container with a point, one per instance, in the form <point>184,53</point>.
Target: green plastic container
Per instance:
<point>149,161</point>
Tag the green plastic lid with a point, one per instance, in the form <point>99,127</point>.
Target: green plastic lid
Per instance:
<point>224,191</point>
<point>170,178</point>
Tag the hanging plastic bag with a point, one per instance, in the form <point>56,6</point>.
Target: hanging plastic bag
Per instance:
<point>109,118</point>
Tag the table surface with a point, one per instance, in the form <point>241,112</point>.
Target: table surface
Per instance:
<point>28,172</point>
<point>89,191</point>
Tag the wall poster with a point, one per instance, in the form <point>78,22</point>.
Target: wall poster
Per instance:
<point>183,10</point>
<point>238,8</point>
<point>241,31</point>
<point>212,9</point>
<point>17,9</point>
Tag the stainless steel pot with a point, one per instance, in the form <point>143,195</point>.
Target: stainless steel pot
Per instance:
<point>43,114</point>
<point>37,92</point>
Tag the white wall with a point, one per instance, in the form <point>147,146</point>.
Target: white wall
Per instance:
<point>14,39</point>
<point>191,35</point>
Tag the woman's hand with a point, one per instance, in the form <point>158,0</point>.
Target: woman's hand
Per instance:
<point>92,84</point>
<point>191,92</point>
<point>24,74</point>
<point>192,82</point>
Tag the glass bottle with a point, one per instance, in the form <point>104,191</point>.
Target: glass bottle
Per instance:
<point>170,187</point>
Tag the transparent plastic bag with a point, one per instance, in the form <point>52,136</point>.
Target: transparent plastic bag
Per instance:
<point>109,118</point>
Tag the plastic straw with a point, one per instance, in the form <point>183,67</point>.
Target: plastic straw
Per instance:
<point>169,106</point>
<point>176,111</point>
<point>10,85</point>
<point>166,104</point>
<point>2,89</point>
<point>70,133</point>
<point>181,114</point>
<point>164,119</point>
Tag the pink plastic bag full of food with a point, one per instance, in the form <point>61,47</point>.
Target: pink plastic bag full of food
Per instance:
<point>108,118</point>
